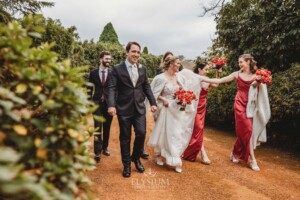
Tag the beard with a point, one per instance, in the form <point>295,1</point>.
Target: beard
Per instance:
<point>105,64</point>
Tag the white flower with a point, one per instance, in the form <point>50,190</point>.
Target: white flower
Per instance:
<point>140,65</point>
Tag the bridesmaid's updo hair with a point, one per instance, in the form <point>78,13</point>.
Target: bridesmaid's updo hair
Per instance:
<point>199,65</point>
<point>168,61</point>
<point>248,57</point>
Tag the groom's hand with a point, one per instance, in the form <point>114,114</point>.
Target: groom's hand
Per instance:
<point>112,111</point>
<point>153,108</point>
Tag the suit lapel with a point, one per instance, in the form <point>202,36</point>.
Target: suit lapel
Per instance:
<point>125,74</point>
<point>97,77</point>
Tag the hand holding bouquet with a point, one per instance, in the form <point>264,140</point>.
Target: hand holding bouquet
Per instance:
<point>183,98</point>
<point>218,62</point>
<point>263,76</point>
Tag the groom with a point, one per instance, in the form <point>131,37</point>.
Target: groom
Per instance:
<point>127,90</point>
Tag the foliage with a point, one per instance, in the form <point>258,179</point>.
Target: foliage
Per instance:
<point>64,38</point>
<point>91,53</point>
<point>151,62</point>
<point>286,107</point>
<point>145,50</point>
<point>181,57</point>
<point>109,35</point>
<point>14,181</point>
<point>220,105</point>
<point>42,109</point>
<point>268,30</point>
<point>11,8</point>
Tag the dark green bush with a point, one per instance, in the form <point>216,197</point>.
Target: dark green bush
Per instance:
<point>220,105</point>
<point>284,94</point>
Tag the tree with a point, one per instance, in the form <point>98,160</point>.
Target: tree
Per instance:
<point>145,50</point>
<point>181,57</point>
<point>11,8</point>
<point>269,30</point>
<point>109,35</point>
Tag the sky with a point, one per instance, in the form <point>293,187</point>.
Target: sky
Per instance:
<point>161,25</point>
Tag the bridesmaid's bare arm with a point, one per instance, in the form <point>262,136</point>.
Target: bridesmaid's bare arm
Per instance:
<point>225,79</point>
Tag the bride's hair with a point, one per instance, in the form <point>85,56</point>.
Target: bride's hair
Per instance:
<point>164,58</point>
<point>168,61</point>
<point>199,65</point>
<point>248,57</point>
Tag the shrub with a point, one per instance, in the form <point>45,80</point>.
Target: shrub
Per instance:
<point>42,109</point>
<point>220,105</point>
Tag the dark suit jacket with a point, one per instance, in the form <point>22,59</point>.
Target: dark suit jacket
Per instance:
<point>124,96</point>
<point>95,93</point>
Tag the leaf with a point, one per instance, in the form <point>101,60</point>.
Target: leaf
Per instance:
<point>7,174</point>
<point>8,155</point>
<point>35,34</point>
<point>10,95</point>
<point>37,142</point>
<point>99,118</point>
<point>37,90</point>
<point>21,88</point>
<point>41,153</point>
<point>73,133</point>
<point>20,129</point>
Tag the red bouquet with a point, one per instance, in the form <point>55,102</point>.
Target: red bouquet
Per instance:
<point>183,98</point>
<point>219,63</point>
<point>264,76</point>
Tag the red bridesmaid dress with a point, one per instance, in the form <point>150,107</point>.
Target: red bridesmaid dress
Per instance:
<point>243,125</point>
<point>196,141</point>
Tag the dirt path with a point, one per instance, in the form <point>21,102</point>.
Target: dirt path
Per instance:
<point>279,177</point>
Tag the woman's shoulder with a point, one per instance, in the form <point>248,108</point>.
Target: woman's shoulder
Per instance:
<point>159,78</point>
<point>235,74</point>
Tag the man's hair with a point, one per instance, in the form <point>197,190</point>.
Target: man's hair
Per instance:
<point>128,46</point>
<point>104,53</point>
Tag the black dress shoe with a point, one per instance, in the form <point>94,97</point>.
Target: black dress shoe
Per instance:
<point>97,158</point>
<point>138,165</point>
<point>144,155</point>
<point>106,152</point>
<point>126,172</point>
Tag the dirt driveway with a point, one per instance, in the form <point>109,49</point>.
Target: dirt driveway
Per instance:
<point>279,177</point>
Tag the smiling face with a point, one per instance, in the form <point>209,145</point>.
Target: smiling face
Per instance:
<point>174,66</point>
<point>133,55</point>
<point>105,61</point>
<point>243,64</point>
<point>204,71</point>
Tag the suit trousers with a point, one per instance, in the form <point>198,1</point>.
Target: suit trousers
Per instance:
<point>138,122</point>
<point>101,137</point>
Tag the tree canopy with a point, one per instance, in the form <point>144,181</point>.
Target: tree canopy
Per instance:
<point>11,8</point>
<point>269,30</point>
<point>109,35</point>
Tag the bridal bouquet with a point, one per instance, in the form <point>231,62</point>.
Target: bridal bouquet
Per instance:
<point>183,98</point>
<point>264,76</point>
<point>219,63</point>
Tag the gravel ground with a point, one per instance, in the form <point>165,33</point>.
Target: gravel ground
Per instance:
<point>279,177</point>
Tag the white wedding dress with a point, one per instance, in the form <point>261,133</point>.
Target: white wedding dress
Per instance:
<point>173,128</point>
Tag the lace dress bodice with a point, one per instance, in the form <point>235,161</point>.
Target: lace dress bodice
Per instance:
<point>169,90</point>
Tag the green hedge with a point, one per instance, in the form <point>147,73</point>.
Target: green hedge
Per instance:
<point>42,112</point>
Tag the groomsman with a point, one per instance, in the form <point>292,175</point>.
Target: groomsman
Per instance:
<point>100,77</point>
<point>127,90</point>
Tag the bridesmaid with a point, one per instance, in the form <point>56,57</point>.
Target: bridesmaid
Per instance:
<point>196,143</point>
<point>243,147</point>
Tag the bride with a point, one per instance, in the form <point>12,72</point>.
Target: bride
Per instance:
<point>173,128</point>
